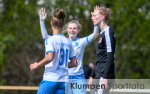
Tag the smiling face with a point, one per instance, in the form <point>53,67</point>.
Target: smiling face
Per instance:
<point>73,30</point>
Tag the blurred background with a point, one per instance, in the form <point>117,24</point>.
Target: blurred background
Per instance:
<point>21,42</point>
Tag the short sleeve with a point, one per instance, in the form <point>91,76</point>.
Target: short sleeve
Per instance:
<point>49,46</point>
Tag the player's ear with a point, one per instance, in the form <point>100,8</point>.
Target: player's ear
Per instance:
<point>103,17</point>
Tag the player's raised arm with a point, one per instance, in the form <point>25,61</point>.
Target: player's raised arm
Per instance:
<point>42,16</point>
<point>94,34</point>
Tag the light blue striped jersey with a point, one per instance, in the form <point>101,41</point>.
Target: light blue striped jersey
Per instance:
<point>79,45</point>
<point>56,70</point>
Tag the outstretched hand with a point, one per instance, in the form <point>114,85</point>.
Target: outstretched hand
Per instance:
<point>96,8</point>
<point>42,14</point>
<point>33,66</point>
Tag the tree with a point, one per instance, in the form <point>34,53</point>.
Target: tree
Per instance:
<point>21,42</point>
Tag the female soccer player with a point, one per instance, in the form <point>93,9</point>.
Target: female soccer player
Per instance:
<point>58,50</point>
<point>76,74</point>
<point>104,69</point>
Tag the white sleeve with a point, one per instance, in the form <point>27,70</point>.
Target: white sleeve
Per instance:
<point>89,39</point>
<point>43,30</point>
<point>49,46</point>
<point>93,35</point>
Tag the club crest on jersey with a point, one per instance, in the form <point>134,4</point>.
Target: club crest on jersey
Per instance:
<point>100,40</point>
<point>46,41</point>
<point>76,45</point>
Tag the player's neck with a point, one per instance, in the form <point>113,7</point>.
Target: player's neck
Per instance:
<point>103,25</point>
<point>72,38</point>
<point>56,31</point>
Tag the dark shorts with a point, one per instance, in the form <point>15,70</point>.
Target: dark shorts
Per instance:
<point>100,68</point>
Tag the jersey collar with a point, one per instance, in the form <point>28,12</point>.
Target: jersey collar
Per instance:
<point>104,29</point>
<point>74,39</point>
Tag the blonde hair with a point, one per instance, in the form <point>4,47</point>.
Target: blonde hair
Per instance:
<point>72,21</point>
<point>76,22</point>
<point>106,12</point>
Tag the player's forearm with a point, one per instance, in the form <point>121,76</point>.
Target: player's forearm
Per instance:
<point>96,29</point>
<point>94,34</point>
<point>43,29</point>
<point>45,61</point>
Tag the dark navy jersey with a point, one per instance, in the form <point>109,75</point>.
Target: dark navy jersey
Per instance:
<point>105,54</point>
<point>106,45</point>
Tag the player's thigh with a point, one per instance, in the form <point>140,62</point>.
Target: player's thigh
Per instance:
<point>61,88</point>
<point>47,87</point>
